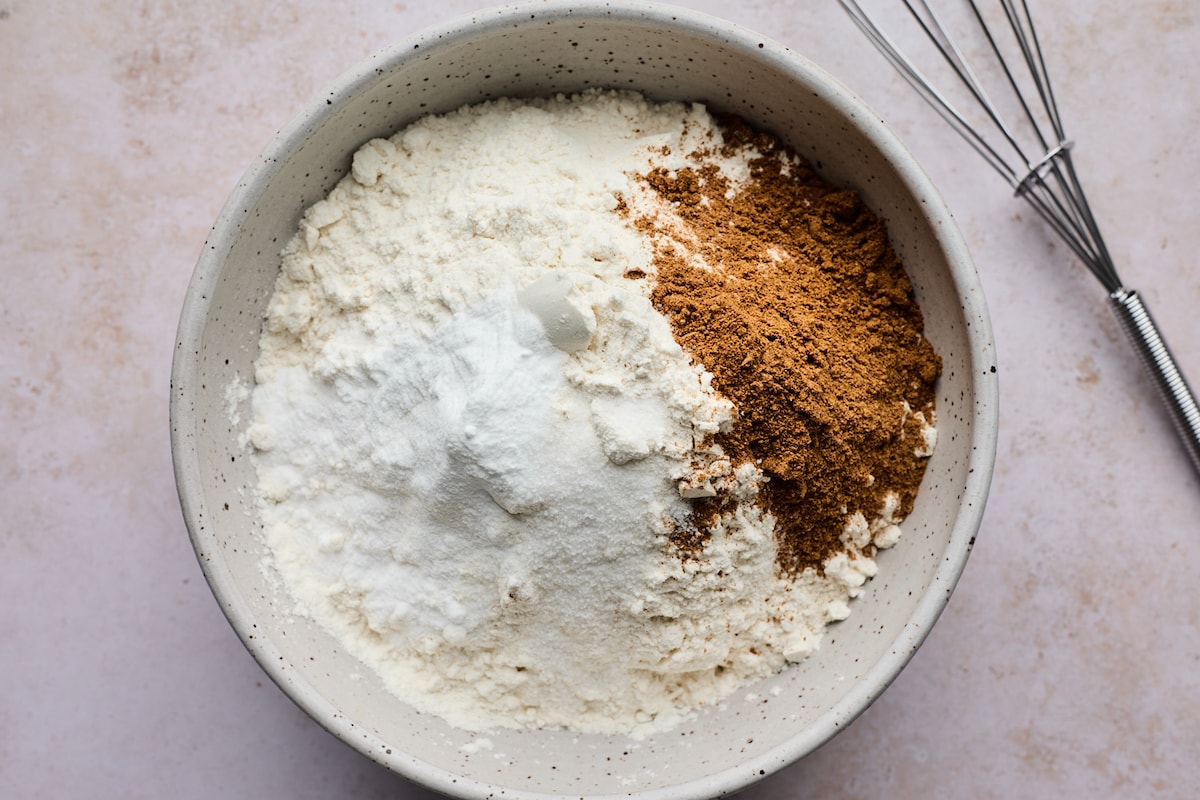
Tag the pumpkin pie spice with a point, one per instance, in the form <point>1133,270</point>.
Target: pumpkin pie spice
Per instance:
<point>787,290</point>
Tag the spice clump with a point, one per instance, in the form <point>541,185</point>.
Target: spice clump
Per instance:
<point>786,289</point>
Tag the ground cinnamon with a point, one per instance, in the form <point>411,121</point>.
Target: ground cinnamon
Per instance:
<point>806,319</point>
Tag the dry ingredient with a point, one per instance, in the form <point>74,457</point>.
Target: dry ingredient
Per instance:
<point>805,318</point>
<point>584,411</point>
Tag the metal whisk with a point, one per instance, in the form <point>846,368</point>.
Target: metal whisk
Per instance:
<point>1032,152</point>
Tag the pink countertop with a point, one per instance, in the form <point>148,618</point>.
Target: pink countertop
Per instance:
<point>1068,661</point>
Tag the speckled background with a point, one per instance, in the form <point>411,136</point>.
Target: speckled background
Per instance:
<point>1068,662</point>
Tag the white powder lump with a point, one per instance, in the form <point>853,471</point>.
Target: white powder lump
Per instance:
<point>473,433</point>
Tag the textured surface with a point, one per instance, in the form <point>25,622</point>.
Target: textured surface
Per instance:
<point>1067,663</point>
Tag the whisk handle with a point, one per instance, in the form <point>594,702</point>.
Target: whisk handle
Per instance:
<point>1172,387</point>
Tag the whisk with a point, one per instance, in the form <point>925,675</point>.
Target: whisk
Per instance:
<point>1033,154</point>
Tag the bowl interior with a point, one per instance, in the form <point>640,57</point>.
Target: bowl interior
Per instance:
<point>538,50</point>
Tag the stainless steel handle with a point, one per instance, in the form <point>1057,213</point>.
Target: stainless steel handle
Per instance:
<point>1139,326</point>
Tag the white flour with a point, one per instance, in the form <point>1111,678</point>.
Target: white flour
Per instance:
<point>472,433</point>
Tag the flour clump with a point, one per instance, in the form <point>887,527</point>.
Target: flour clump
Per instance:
<point>492,458</point>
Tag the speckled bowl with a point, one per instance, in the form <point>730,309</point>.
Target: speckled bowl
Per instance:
<point>668,53</point>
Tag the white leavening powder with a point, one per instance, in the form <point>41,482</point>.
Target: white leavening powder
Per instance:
<point>473,434</point>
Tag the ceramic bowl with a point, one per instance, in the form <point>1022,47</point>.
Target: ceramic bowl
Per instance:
<point>666,53</point>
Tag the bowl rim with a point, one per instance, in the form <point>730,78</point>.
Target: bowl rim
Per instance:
<point>198,299</point>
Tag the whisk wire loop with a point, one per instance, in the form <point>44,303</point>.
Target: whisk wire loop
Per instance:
<point>930,23</point>
<point>926,89</point>
<point>1043,174</point>
<point>1031,54</point>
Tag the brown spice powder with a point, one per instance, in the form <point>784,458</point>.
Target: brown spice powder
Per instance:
<point>807,322</point>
